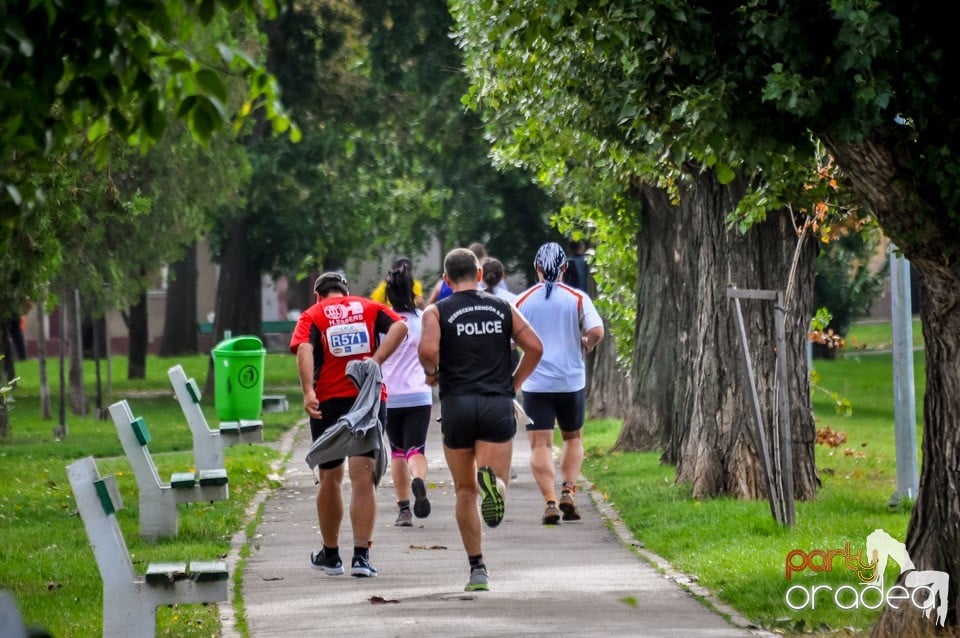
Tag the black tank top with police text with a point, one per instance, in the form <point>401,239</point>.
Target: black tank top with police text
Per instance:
<point>475,330</point>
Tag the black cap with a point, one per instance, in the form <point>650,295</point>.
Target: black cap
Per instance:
<point>329,281</point>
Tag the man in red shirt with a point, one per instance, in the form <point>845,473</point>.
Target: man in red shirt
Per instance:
<point>340,328</point>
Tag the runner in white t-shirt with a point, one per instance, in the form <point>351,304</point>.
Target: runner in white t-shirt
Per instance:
<point>569,327</point>
<point>409,403</point>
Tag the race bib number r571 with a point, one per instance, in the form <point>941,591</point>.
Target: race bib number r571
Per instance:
<point>348,340</point>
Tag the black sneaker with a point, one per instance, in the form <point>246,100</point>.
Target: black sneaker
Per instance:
<point>421,505</point>
<point>362,568</point>
<point>331,566</point>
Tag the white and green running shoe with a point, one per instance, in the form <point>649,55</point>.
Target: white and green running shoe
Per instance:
<point>478,580</point>
<point>491,496</point>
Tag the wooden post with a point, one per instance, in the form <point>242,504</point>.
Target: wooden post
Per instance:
<point>773,492</point>
<point>782,411</point>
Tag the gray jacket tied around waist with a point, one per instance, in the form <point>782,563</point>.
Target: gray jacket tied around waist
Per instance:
<point>359,431</point>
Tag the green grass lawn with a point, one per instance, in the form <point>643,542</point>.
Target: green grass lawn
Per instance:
<point>45,556</point>
<point>878,335</point>
<point>734,547</point>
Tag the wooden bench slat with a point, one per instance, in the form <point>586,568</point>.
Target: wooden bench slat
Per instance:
<point>213,477</point>
<point>183,480</point>
<point>208,571</point>
<point>140,430</point>
<point>164,573</point>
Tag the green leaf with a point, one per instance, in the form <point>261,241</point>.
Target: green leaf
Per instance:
<point>14,29</point>
<point>211,84</point>
<point>179,65</point>
<point>99,128</point>
<point>154,123</point>
<point>226,52</point>
<point>725,174</point>
<point>187,106</point>
<point>208,9</point>
<point>14,193</point>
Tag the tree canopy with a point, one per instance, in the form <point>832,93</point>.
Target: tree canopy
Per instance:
<point>78,73</point>
<point>749,88</point>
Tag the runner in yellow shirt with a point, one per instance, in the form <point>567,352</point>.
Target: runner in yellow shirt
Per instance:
<point>379,293</point>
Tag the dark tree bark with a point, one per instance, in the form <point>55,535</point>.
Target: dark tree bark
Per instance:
<point>180,319</point>
<point>692,393</point>
<point>931,241</point>
<point>6,349</point>
<point>139,338</point>
<point>609,388</point>
<point>238,307</point>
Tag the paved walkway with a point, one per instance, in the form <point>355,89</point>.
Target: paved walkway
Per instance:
<point>574,579</point>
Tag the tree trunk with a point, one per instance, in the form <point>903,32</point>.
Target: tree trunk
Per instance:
<point>238,307</point>
<point>609,388</point>
<point>71,317</point>
<point>608,385</point>
<point>6,351</point>
<point>692,392</point>
<point>661,298</point>
<point>180,323</point>
<point>910,215</point>
<point>138,330</point>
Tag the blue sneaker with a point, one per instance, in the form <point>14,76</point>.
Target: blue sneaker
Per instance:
<point>331,565</point>
<point>362,568</point>
<point>491,501</point>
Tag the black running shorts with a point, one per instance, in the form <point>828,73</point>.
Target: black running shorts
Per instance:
<point>567,409</point>
<point>466,419</point>
<point>407,430</point>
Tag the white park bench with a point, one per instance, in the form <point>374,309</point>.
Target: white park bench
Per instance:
<point>206,442</point>
<point>159,500</point>
<point>11,623</point>
<point>130,600</point>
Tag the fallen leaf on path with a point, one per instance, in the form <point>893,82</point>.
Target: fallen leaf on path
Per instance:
<point>380,600</point>
<point>271,578</point>
<point>425,547</point>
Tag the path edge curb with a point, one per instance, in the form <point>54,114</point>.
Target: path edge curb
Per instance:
<point>228,616</point>
<point>687,582</point>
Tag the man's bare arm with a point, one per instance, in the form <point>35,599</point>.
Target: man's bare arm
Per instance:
<point>591,338</point>
<point>390,342</point>
<point>305,372</point>
<point>429,349</point>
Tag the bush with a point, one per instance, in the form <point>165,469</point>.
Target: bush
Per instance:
<point>845,284</point>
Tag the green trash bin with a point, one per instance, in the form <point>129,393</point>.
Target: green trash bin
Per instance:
<point>238,378</point>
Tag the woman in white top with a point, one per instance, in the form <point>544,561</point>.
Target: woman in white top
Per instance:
<point>409,403</point>
<point>493,280</point>
<point>493,284</point>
